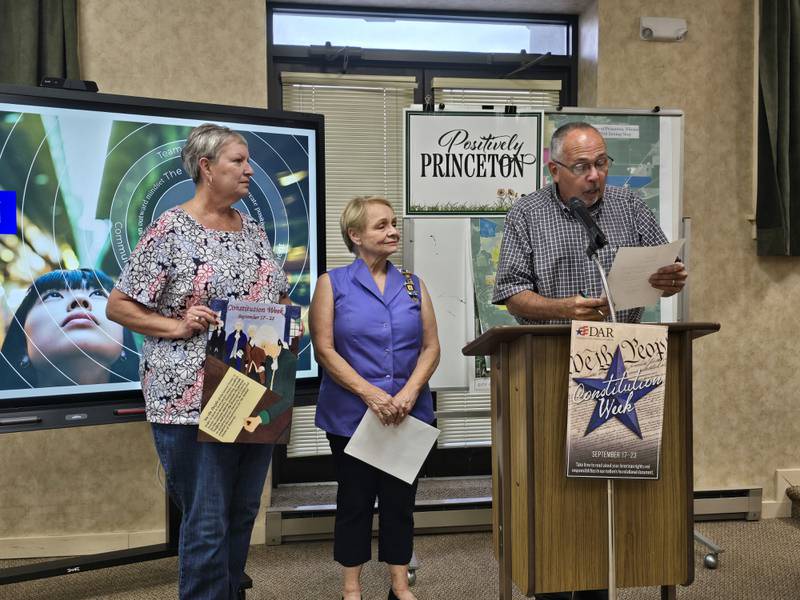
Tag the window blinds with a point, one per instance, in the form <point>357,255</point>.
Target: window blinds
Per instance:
<point>537,93</point>
<point>363,156</point>
<point>305,438</point>
<point>471,427</point>
<point>363,140</point>
<point>464,419</point>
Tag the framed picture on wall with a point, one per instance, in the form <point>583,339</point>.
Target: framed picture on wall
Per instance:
<point>467,163</point>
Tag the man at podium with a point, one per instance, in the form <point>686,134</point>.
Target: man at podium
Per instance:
<point>544,275</point>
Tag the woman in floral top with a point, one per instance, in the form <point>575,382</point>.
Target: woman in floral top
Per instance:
<point>197,251</point>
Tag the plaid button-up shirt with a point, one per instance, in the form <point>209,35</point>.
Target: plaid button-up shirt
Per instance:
<point>544,246</point>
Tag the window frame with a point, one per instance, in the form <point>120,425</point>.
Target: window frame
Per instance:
<point>570,21</point>
<point>431,63</point>
<point>424,65</point>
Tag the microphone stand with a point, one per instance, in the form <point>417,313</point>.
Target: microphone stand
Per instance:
<point>597,240</point>
<point>591,252</point>
<point>611,311</point>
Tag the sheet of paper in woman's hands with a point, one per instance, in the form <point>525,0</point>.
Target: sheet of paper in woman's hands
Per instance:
<point>631,270</point>
<point>399,451</point>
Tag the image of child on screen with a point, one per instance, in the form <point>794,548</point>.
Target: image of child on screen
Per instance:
<point>59,335</point>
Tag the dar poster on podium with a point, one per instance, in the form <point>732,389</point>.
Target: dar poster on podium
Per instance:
<point>615,407</point>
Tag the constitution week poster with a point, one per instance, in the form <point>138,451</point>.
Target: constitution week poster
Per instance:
<point>249,374</point>
<point>615,407</point>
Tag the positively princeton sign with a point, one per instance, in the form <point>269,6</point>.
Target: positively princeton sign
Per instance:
<point>461,163</point>
<point>615,408</point>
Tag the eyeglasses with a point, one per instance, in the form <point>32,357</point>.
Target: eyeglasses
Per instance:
<point>583,168</point>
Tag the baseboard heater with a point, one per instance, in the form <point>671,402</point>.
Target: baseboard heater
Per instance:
<point>475,514</point>
<point>711,505</point>
<point>437,516</point>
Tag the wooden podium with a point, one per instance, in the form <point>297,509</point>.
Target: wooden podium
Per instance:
<point>551,532</point>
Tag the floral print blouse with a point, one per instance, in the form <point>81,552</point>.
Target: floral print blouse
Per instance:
<point>179,263</point>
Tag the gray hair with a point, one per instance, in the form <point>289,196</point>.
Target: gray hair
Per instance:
<point>557,141</point>
<point>206,141</point>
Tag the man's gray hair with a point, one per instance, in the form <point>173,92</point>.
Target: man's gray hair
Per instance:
<point>557,141</point>
<point>206,140</point>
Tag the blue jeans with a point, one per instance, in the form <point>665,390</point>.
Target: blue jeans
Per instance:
<point>218,489</point>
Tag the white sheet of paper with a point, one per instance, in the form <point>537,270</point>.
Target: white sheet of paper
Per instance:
<point>399,451</point>
<point>632,268</point>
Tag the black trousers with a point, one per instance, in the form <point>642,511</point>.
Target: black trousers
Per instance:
<point>584,595</point>
<point>359,485</point>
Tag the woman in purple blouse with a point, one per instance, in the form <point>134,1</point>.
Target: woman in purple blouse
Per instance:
<point>374,333</point>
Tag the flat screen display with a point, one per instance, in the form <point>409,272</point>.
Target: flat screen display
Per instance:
<point>81,177</point>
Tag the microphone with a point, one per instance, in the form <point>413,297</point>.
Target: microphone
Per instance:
<point>597,239</point>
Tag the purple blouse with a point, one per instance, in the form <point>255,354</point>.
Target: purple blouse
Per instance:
<point>379,335</point>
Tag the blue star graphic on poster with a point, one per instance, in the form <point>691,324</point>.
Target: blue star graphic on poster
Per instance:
<point>615,396</point>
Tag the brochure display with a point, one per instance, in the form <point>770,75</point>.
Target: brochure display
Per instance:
<point>250,368</point>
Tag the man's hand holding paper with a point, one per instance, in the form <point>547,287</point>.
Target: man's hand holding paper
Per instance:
<point>670,279</point>
<point>642,275</point>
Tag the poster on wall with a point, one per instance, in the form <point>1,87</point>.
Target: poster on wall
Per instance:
<point>615,406</point>
<point>460,163</point>
<point>486,235</point>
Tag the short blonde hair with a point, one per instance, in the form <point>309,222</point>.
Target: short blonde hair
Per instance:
<point>354,216</point>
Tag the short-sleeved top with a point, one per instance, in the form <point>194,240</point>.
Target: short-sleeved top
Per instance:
<point>544,246</point>
<point>179,263</point>
<point>379,335</point>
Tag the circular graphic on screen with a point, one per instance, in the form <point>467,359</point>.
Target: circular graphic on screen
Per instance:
<point>150,178</point>
<point>156,181</point>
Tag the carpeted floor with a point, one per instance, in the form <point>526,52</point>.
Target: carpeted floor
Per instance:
<point>761,562</point>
